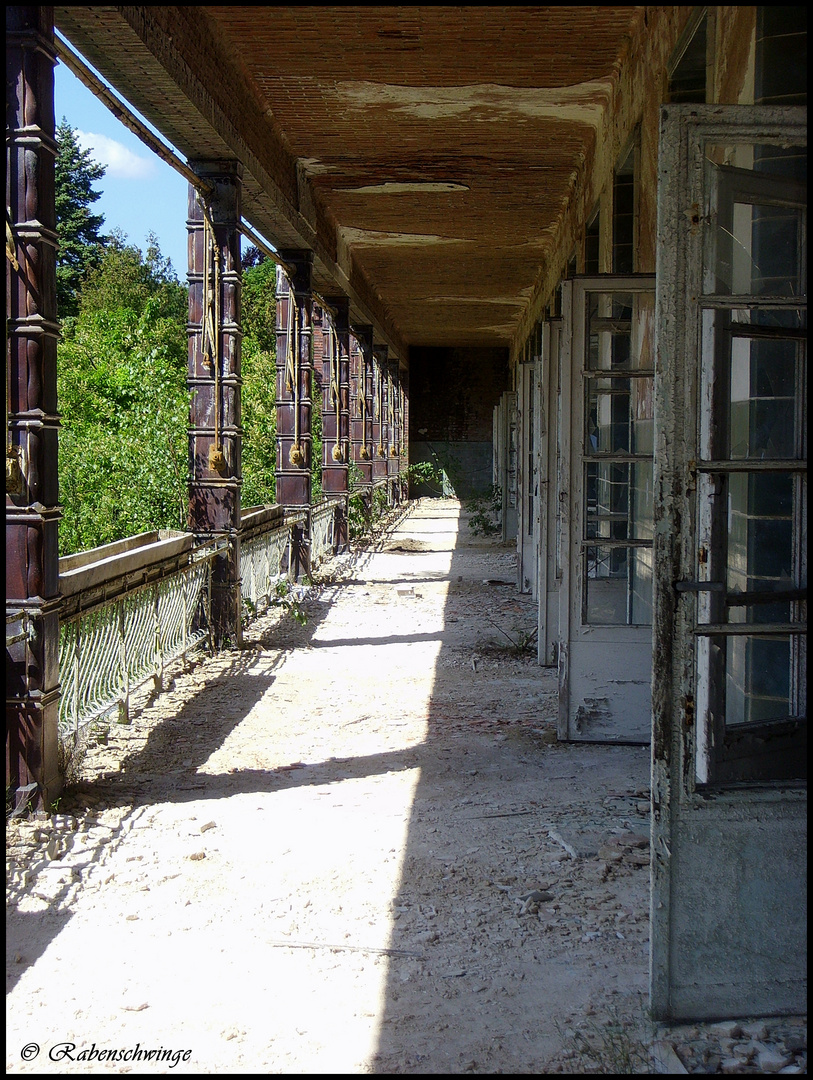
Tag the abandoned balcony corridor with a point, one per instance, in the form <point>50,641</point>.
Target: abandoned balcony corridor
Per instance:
<point>350,846</point>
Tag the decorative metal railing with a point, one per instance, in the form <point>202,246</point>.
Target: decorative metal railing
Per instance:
<point>130,608</point>
<point>109,645</point>
<point>265,554</point>
<point>323,529</point>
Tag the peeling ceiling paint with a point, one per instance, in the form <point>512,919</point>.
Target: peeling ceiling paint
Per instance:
<point>392,239</point>
<point>582,103</point>
<point>505,301</point>
<point>393,187</point>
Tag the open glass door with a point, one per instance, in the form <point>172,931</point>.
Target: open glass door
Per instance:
<point>506,459</point>
<point>729,707</point>
<point>605,648</point>
<point>527,471</point>
<point>551,510</point>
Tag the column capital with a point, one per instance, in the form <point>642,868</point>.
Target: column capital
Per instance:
<point>363,333</point>
<point>341,307</point>
<point>301,262</point>
<point>209,168</point>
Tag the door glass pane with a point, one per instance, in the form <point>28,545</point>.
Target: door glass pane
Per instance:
<point>760,543</point>
<point>618,586</point>
<point>760,356</point>
<point>620,331</point>
<point>618,503</point>
<point>755,238</point>
<point>619,415</point>
<point>758,679</point>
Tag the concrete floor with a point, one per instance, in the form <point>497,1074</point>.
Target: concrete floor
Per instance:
<point>350,846</point>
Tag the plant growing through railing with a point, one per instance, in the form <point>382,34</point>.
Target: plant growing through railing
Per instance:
<point>286,596</point>
<point>289,597</point>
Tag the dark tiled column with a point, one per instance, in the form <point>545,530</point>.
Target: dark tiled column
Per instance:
<point>362,414</point>
<point>32,491</point>
<point>215,434</point>
<point>393,454</point>
<point>336,412</point>
<point>294,378</point>
<point>380,430</point>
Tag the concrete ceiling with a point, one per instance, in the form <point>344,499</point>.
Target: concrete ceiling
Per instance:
<point>425,154</point>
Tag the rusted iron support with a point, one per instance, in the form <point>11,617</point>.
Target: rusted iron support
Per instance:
<point>380,431</point>
<point>32,494</point>
<point>294,390</point>
<point>336,411</point>
<point>213,377</point>
<point>362,403</point>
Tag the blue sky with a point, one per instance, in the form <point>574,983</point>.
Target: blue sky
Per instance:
<point>140,192</point>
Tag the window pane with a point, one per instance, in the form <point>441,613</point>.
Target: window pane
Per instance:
<point>618,586</point>
<point>619,416</point>
<point>761,556</point>
<point>758,679</point>
<point>620,331</point>
<point>754,241</point>
<point>618,500</point>
<point>760,357</point>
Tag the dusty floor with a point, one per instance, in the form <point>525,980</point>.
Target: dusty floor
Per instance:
<point>350,847</point>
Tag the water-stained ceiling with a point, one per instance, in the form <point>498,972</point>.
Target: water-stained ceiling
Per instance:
<point>424,153</point>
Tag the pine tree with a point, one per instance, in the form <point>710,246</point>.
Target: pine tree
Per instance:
<point>81,243</point>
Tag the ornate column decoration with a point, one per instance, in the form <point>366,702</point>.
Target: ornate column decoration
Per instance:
<point>294,378</point>
<point>32,422</point>
<point>215,434</point>
<point>336,411</point>
<point>381,430</point>
<point>362,422</point>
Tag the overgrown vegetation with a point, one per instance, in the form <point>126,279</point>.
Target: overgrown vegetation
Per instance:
<point>259,393</point>
<point>81,242</point>
<point>425,473</point>
<point>485,512</point>
<point>286,596</point>
<point>519,641</point>
<point>121,384</point>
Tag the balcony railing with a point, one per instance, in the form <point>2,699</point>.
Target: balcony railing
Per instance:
<point>323,528</point>
<point>130,608</point>
<point>267,539</point>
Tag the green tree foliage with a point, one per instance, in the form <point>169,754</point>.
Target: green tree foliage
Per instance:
<point>316,441</point>
<point>259,395</point>
<point>80,241</point>
<point>122,393</point>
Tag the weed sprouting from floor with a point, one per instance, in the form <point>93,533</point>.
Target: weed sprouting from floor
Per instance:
<point>485,513</point>
<point>619,1045</point>
<point>519,641</point>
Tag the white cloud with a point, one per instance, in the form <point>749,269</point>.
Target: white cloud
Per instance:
<point>120,161</point>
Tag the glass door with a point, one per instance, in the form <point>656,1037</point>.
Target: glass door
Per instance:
<point>606,631</point>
